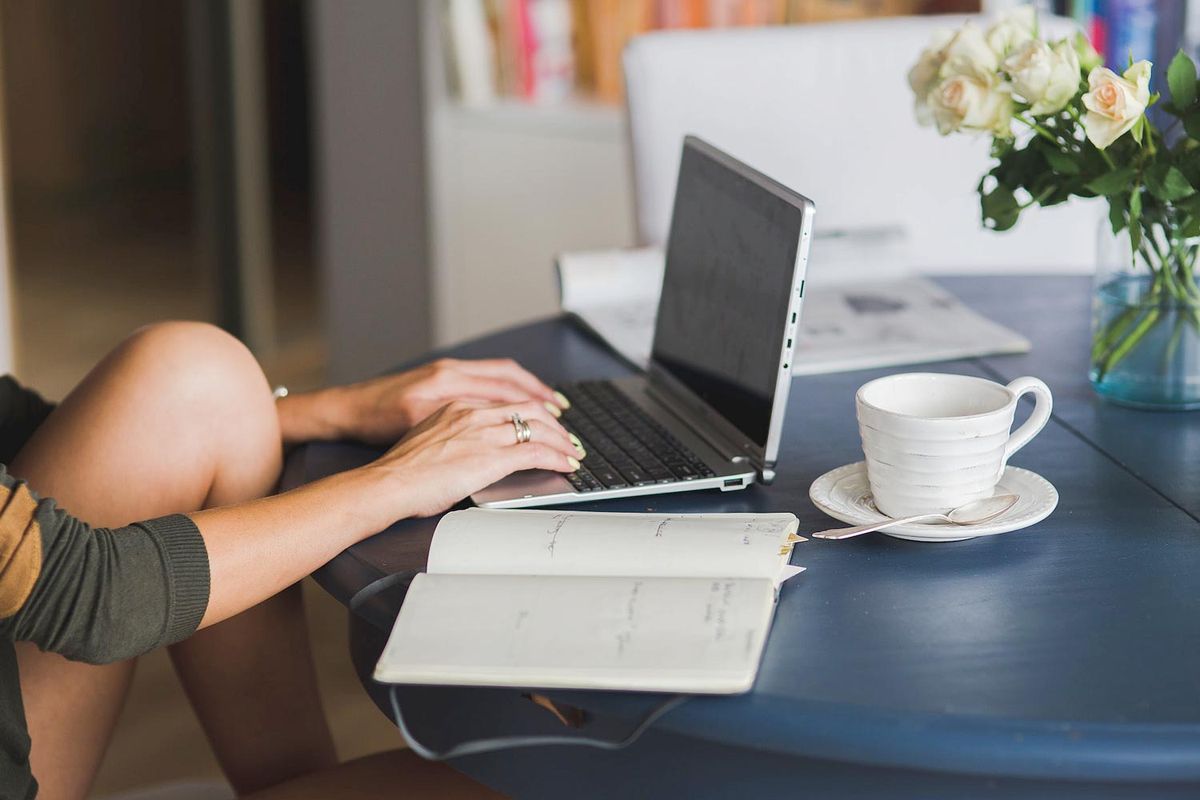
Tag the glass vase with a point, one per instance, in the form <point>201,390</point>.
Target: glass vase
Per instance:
<point>1146,320</point>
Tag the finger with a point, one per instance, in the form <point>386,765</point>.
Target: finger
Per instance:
<point>540,411</point>
<point>509,370</point>
<point>479,387</point>
<point>534,455</point>
<point>529,410</point>
<point>556,437</point>
<point>540,433</point>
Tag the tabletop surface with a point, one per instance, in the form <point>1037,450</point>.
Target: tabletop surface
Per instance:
<point>1069,648</point>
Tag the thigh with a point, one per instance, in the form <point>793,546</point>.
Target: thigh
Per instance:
<point>167,423</point>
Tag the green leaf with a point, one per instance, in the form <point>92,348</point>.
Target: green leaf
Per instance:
<point>1113,183</point>
<point>1116,213</point>
<point>1167,183</point>
<point>1190,205</point>
<point>1135,237</point>
<point>1190,229</point>
<point>1061,162</point>
<point>1191,123</point>
<point>1138,128</point>
<point>1135,205</point>
<point>1000,207</point>
<point>1006,222</point>
<point>1181,79</point>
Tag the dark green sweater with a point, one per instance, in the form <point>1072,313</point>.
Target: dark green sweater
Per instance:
<point>90,594</point>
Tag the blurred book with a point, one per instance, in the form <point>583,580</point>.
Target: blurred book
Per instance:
<point>847,323</point>
<point>1125,30</point>
<point>470,52</point>
<point>549,51</point>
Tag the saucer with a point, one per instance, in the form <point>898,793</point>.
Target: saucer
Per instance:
<point>844,494</point>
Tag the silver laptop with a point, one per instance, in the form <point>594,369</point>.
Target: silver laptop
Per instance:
<point>708,411</point>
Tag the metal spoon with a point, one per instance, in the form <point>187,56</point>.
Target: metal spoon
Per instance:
<point>971,513</point>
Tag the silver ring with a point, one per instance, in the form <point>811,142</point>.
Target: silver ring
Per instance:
<point>521,428</point>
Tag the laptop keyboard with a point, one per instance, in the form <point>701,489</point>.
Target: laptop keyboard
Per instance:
<point>625,447</point>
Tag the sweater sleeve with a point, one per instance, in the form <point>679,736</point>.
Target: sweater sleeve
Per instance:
<point>96,594</point>
<point>21,412</point>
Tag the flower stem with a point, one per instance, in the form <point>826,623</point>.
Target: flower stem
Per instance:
<point>1113,331</point>
<point>1173,345</point>
<point>1041,130</point>
<point>1126,344</point>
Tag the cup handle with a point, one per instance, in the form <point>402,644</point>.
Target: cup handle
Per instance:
<point>1037,420</point>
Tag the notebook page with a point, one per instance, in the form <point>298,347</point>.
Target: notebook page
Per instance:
<point>505,542</point>
<point>639,634</point>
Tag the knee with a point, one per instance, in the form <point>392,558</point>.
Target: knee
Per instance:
<point>198,357</point>
<point>204,372</point>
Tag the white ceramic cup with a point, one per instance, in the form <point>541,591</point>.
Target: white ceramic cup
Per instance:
<point>934,442</point>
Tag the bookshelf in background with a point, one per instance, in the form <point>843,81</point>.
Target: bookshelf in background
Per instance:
<point>1137,29</point>
<point>562,51</point>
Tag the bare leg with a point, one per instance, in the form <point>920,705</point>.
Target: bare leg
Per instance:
<point>178,418</point>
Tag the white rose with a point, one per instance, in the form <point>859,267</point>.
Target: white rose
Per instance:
<point>1115,103</point>
<point>967,53</point>
<point>1046,78</point>
<point>1012,30</point>
<point>925,74</point>
<point>963,102</point>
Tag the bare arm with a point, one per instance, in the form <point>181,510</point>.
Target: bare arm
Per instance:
<point>256,549</point>
<point>381,410</point>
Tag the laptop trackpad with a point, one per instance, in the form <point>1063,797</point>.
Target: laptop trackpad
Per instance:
<point>530,483</point>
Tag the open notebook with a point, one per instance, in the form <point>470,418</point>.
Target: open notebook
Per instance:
<point>577,600</point>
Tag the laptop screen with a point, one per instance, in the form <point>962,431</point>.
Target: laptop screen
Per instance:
<point>731,255</point>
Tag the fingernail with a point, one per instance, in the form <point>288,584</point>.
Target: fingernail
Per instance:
<point>553,409</point>
<point>581,451</point>
<point>574,439</point>
<point>574,462</point>
<point>562,400</point>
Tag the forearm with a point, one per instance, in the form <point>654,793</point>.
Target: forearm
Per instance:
<point>259,548</point>
<point>324,415</point>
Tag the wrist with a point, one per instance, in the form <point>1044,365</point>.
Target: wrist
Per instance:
<point>323,415</point>
<point>382,487</point>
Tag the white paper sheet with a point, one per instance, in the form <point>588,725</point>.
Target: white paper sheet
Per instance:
<point>854,316</point>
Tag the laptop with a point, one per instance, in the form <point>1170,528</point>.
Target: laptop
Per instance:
<point>708,411</point>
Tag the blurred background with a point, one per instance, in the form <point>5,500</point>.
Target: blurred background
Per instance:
<point>341,183</point>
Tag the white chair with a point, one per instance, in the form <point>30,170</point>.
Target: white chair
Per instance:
<point>826,110</point>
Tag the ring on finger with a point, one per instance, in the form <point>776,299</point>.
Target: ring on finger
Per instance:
<point>521,428</point>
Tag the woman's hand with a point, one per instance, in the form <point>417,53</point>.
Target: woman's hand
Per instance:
<point>466,446</point>
<point>381,410</point>
<point>257,549</point>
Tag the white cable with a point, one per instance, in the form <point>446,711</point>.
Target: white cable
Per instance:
<point>491,745</point>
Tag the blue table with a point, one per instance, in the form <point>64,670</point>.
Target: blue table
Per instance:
<point>1063,659</point>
